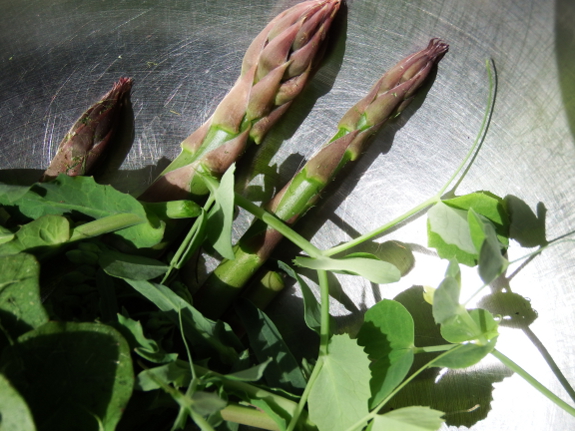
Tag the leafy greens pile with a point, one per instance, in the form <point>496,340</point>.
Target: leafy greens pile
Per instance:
<point>99,328</point>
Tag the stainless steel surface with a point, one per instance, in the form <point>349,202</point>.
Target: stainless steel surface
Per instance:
<point>58,56</point>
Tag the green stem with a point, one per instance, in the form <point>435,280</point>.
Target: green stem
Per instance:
<point>533,382</point>
<point>182,417</point>
<point>200,421</point>
<point>430,349</point>
<point>323,346</point>
<point>248,416</point>
<point>183,251</point>
<point>105,225</point>
<point>374,233</point>
<point>324,297</point>
<point>472,153</point>
<point>304,397</point>
<point>275,223</point>
<point>253,392</point>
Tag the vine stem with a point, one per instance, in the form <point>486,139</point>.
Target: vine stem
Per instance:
<point>324,328</point>
<point>376,232</point>
<point>323,347</point>
<point>533,382</point>
<point>275,223</point>
<point>430,349</point>
<point>200,421</point>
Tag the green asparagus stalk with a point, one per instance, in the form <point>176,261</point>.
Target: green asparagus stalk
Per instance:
<point>84,145</point>
<point>388,97</point>
<point>275,68</point>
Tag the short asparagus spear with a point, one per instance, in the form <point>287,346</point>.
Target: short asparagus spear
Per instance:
<point>388,97</point>
<point>84,145</point>
<point>275,68</point>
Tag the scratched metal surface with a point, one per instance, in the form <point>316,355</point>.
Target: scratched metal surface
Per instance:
<point>58,56</point>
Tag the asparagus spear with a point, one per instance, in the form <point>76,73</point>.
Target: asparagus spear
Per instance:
<point>84,145</point>
<point>275,68</point>
<point>388,97</point>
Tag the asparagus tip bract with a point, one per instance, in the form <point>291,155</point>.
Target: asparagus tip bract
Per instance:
<point>275,68</point>
<point>86,142</point>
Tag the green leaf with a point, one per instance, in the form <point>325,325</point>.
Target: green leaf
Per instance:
<point>371,268</point>
<point>72,375</point>
<point>485,203</point>
<point>266,342</point>
<point>192,242</point>
<point>387,335</point>
<point>413,418</point>
<point>11,193</point>
<point>20,304</point>
<point>448,232</point>
<point>454,271</point>
<point>221,217</point>
<point>252,374</point>
<point>466,355</point>
<point>476,228</point>
<point>67,195</point>
<point>339,396</point>
<point>5,235</point>
<point>39,236</point>
<point>264,405</point>
<point>446,300</point>
<point>176,373</point>
<point>476,324</point>
<point>14,412</point>
<point>491,261</point>
<point>202,332</point>
<point>206,403</point>
<point>145,347</point>
<point>135,267</point>
<point>312,307</point>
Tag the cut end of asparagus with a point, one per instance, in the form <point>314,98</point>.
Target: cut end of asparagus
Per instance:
<point>85,144</point>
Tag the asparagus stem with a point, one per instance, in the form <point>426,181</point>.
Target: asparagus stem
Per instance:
<point>89,138</point>
<point>275,69</point>
<point>264,289</point>
<point>463,166</point>
<point>389,96</point>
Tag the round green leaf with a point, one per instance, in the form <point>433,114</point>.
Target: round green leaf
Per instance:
<point>466,355</point>
<point>72,375</point>
<point>387,336</point>
<point>14,412</point>
<point>460,328</point>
